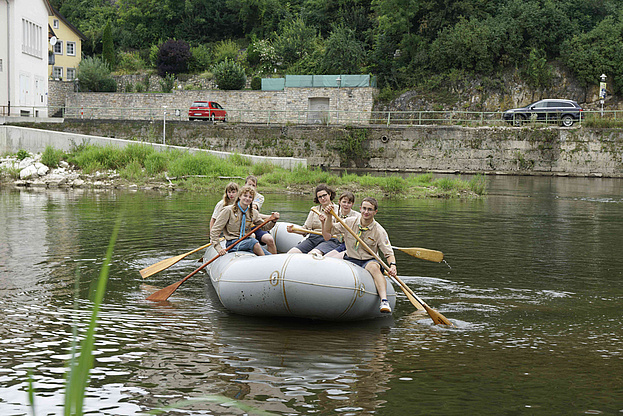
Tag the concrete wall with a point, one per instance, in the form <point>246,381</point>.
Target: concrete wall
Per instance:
<point>13,138</point>
<point>288,106</point>
<point>507,150</point>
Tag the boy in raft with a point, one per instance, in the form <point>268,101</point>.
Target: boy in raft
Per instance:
<point>374,235</point>
<point>236,220</point>
<point>346,202</point>
<point>261,235</point>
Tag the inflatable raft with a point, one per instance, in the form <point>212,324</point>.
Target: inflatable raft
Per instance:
<point>295,285</point>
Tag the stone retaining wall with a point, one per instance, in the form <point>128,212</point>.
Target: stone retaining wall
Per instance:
<point>524,151</point>
<point>288,106</point>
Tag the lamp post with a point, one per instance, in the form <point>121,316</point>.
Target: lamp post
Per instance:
<point>164,125</point>
<point>602,92</point>
<point>339,83</point>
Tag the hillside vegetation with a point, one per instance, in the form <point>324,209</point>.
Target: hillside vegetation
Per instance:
<point>407,44</point>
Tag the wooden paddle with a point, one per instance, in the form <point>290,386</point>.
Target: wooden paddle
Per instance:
<point>301,230</point>
<point>166,263</point>
<point>422,253</point>
<point>163,294</point>
<point>434,315</point>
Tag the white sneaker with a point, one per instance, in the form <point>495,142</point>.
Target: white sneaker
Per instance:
<point>385,308</point>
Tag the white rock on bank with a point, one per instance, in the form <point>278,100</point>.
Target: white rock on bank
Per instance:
<point>42,169</point>
<point>28,172</point>
<point>24,163</point>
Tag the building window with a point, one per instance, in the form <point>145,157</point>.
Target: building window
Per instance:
<point>71,48</point>
<point>32,39</point>
<point>57,72</point>
<point>56,24</point>
<point>58,47</point>
<point>71,73</point>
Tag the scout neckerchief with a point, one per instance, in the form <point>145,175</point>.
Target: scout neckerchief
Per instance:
<point>243,223</point>
<point>361,230</point>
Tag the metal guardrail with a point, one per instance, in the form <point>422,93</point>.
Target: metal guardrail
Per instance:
<point>327,117</point>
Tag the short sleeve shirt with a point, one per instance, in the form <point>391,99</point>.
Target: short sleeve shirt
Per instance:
<point>375,237</point>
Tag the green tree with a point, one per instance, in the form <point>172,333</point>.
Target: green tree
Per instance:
<point>108,47</point>
<point>295,41</point>
<point>468,45</point>
<point>344,54</point>
<point>261,17</point>
<point>597,52</point>
<point>538,72</point>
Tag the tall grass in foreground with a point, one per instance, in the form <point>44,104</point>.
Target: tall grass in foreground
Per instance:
<point>80,367</point>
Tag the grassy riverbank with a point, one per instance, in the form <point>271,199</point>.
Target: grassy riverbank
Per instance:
<point>201,172</point>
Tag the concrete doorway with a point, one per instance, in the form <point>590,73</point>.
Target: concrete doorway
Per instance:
<point>318,110</point>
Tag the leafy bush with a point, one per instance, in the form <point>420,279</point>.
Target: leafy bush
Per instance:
<point>130,62</point>
<point>94,75</point>
<point>225,50</point>
<point>253,53</point>
<point>153,54</point>
<point>256,83</point>
<point>173,57</point>
<point>22,154</point>
<point>52,157</point>
<point>229,75</point>
<point>201,58</point>
<point>167,83</point>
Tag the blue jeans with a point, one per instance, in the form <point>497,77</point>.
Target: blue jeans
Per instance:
<point>246,245</point>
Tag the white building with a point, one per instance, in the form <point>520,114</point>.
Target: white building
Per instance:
<point>24,57</point>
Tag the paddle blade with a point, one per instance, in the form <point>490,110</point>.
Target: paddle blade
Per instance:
<point>437,318</point>
<point>166,263</point>
<point>163,294</point>
<point>422,253</point>
<point>161,265</point>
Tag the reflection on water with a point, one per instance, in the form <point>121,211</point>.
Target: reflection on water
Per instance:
<point>534,289</point>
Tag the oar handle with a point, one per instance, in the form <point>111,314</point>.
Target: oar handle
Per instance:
<point>305,230</point>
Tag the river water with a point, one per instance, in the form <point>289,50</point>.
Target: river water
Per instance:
<point>533,282</point>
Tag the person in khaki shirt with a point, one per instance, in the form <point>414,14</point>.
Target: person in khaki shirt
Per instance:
<point>261,235</point>
<point>346,202</point>
<point>230,223</point>
<point>375,237</point>
<point>315,243</point>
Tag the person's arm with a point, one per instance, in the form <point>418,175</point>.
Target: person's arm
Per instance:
<point>327,224</point>
<point>216,230</point>
<point>218,208</point>
<point>391,262</point>
<point>269,225</point>
<point>386,248</point>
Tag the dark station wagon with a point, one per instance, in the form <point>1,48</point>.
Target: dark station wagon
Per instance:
<point>207,110</point>
<point>565,112</point>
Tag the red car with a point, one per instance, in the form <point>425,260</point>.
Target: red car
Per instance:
<point>207,110</point>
